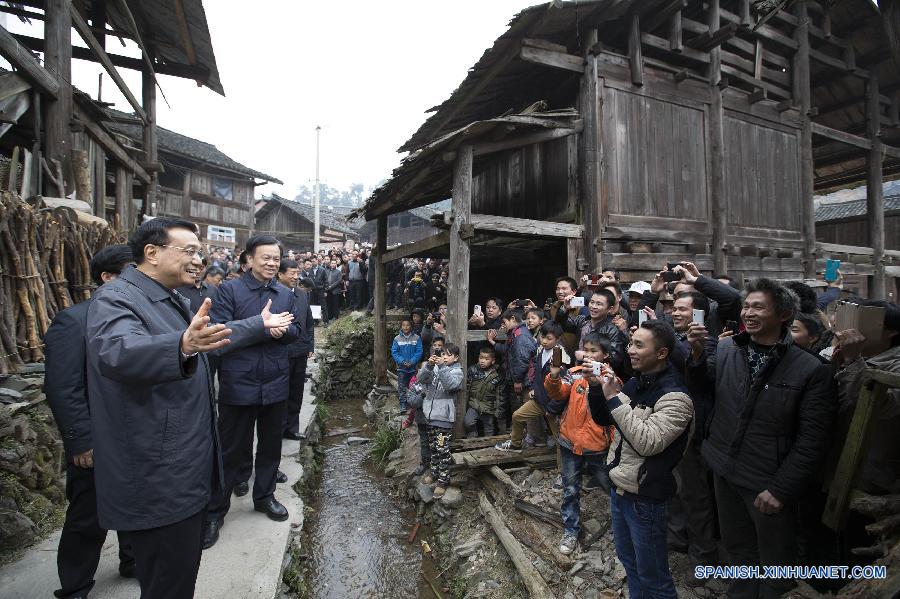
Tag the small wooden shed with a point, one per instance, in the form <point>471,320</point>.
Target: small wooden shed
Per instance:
<point>625,133</point>
<point>293,223</point>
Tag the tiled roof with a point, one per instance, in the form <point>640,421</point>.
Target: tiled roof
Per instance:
<point>326,218</point>
<point>852,209</point>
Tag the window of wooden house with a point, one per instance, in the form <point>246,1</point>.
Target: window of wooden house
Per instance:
<point>223,188</point>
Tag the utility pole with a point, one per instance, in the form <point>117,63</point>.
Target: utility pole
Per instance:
<point>316,206</point>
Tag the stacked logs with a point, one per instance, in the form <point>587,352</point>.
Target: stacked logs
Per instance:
<point>44,268</point>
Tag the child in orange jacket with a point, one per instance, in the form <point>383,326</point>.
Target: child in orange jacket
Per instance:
<point>583,444</point>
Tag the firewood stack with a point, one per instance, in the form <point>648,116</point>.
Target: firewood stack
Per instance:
<point>44,268</point>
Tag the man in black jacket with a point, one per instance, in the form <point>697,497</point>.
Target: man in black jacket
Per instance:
<point>300,350</point>
<point>771,430</point>
<point>65,385</point>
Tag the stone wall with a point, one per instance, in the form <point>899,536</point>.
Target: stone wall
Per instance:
<point>32,462</point>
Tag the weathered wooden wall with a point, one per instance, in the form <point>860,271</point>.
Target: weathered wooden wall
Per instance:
<point>855,231</point>
<point>402,228</point>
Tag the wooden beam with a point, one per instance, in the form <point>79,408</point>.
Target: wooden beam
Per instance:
<point>875,189</point>
<point>766,32</point>
<point>664,14</point>
<point>591,157</point>
<point>85,32</point>
<point>380,359</point>
<point>491,147</point>
<point>184,29</point>
<point>550,58</point>
<point>717,193</point>
<point>837,63</point>
<point>573,250</point>
<point>802,95</point>
<point>524,226</point>
<point>58,111</point>
<point>416,248</point>
<point>460,256</point>
<point>635,56</point>
<point>27,65</point>
<point>676,43</point>
<point>151,149</point>
<point>124,205</point>
<point>841,136</point>
<point>658,43</point>
<point>111,145</point>
<point>707,41</point>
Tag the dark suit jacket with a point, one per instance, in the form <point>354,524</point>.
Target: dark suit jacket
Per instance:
<point>304,343</point>
<point>196,295</point>
<point>65,383</point>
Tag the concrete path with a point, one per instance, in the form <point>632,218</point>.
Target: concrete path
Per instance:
<point>246,562</point>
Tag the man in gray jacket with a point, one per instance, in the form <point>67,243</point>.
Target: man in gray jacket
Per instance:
<point>156,450</point>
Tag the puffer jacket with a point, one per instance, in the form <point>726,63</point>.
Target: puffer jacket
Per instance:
<point>771,433</point>
<point>443,384</point>
<point>487,393</point>
<point>538,371</point>
<point>653,416</point>
<point>406,348</point>
<point>582,325</point>
<point>577,430</point>
<point>517,351</point>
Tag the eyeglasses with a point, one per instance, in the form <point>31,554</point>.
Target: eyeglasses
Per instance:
<point>189,252</point>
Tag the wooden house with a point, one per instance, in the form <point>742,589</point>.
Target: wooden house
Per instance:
<point>202,184</point>
<point>404,227</point>
<point>629,133</point>
<point>66,138</point>
<point>293,224</point>
<point>847,223</point>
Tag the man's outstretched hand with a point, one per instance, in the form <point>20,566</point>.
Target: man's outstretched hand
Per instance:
<point>281,320</point>
<point>202,338</point>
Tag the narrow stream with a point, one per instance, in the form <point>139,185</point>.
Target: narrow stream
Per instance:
<point>358,531</point>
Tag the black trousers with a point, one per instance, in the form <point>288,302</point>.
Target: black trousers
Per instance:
<point>752,538</point>
<point>335,300</point>
<point>168,558</point>
<point>357,293</point>
<point>691,514</point>
<point>236,425</point>
<point>82,536</point>
<point>295,399</point>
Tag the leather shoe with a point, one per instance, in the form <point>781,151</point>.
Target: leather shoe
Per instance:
<point>294,436</point>
<point>273,509</point>
<point>211,532</point>
<point>241,489</point>
<point>127,569</point>
<point>281,477</point>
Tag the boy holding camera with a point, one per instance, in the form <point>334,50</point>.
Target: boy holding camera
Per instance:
<point>487,394</point>
<point>517,351</point>
<point>443,378</point>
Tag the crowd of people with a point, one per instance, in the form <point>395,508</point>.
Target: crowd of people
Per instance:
<point>711,415</point>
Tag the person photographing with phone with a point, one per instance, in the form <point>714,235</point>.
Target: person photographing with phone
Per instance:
<point>442,377</point>
<point>653,418</point>
<point>583,443</point>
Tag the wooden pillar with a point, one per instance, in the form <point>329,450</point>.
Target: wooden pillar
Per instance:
<point>460,256</point>
<point>381,341</point>
<point>591,157</point>
<point>803,98</point>
<point>99,178</point>
<point>148,90</point>
<point>573,248</point>
<point>124,207</point>
<point>875,189</point>
<point>58,112</point>
<point>717,197</point>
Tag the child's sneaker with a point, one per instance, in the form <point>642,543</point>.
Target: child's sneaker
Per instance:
<point>410,418</point>
<point>439,491</point>
<point>428,479</point>
<point>557,484</point>
<point>507,446</point>
<point>567,544</point>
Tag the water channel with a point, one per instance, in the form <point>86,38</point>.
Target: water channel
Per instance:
<point>357,534</point>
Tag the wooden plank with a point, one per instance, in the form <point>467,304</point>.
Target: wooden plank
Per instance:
<point>110,145</point>
<point>531,578</point>
<point>664,14</point>
<point>871,396</point>
<point>484,148</point>
<point>460,257</point>
<point>841,136</point>
<point>543,44</point>
<point>504,478</point>
<point>535,511</point>
<point>837,63</point>
<point>765,32</point>
<point>26,64</point>
<point>470,443</point>
<point>419,247</point>
<point>590,175</point>
<point>652,41</point>
<point>525,226</point>
<point>875,189</point>
<point>489,456</point>
<point>550,58</point>
<point>380,358</point>
<point>709,40</point>
<point>87,35</point>
<point>635,56</point>
<point>802,94</point>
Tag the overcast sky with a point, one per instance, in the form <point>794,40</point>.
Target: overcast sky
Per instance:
<point>365,71</point>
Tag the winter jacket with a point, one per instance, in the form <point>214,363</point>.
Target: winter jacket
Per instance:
<point>771,433</point>
<point>828,297</point>
<point>417,290</point>
<point>538,370</point>
<point>258,374</point>
<point>486,390</point>
<point>356,271</point>
<point>406,348</point>
<point>443,384</point>
<point>569,338</point>
<point>653,416</point>
<point>415,397</point>
<point>334,280</point>
<point>320,278</point>
<point>577,430</point>
<point>517,351</point>
<point>583,325</point>
<point>304,343</point>
<point>196,295</point>
<point>702,392</point>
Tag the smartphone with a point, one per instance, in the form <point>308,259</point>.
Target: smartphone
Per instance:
<point>642,317</point>
<point>595,279</point>
<point>597,368</point>
<point>733,326</point>
<point>477,310</point>
<point>556,357</point>
<point>669,276</point>
<point>550,301</point>
<point>437,352</point>
<point>577,302</point>
<point>699,318</point>
<point>831,270</point>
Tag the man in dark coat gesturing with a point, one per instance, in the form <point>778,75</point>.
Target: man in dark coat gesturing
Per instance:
<point>253,383</point>
<point>65,384</point>
<point>156,454</point>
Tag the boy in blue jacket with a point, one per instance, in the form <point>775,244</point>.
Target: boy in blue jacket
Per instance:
<point>406,351</point>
